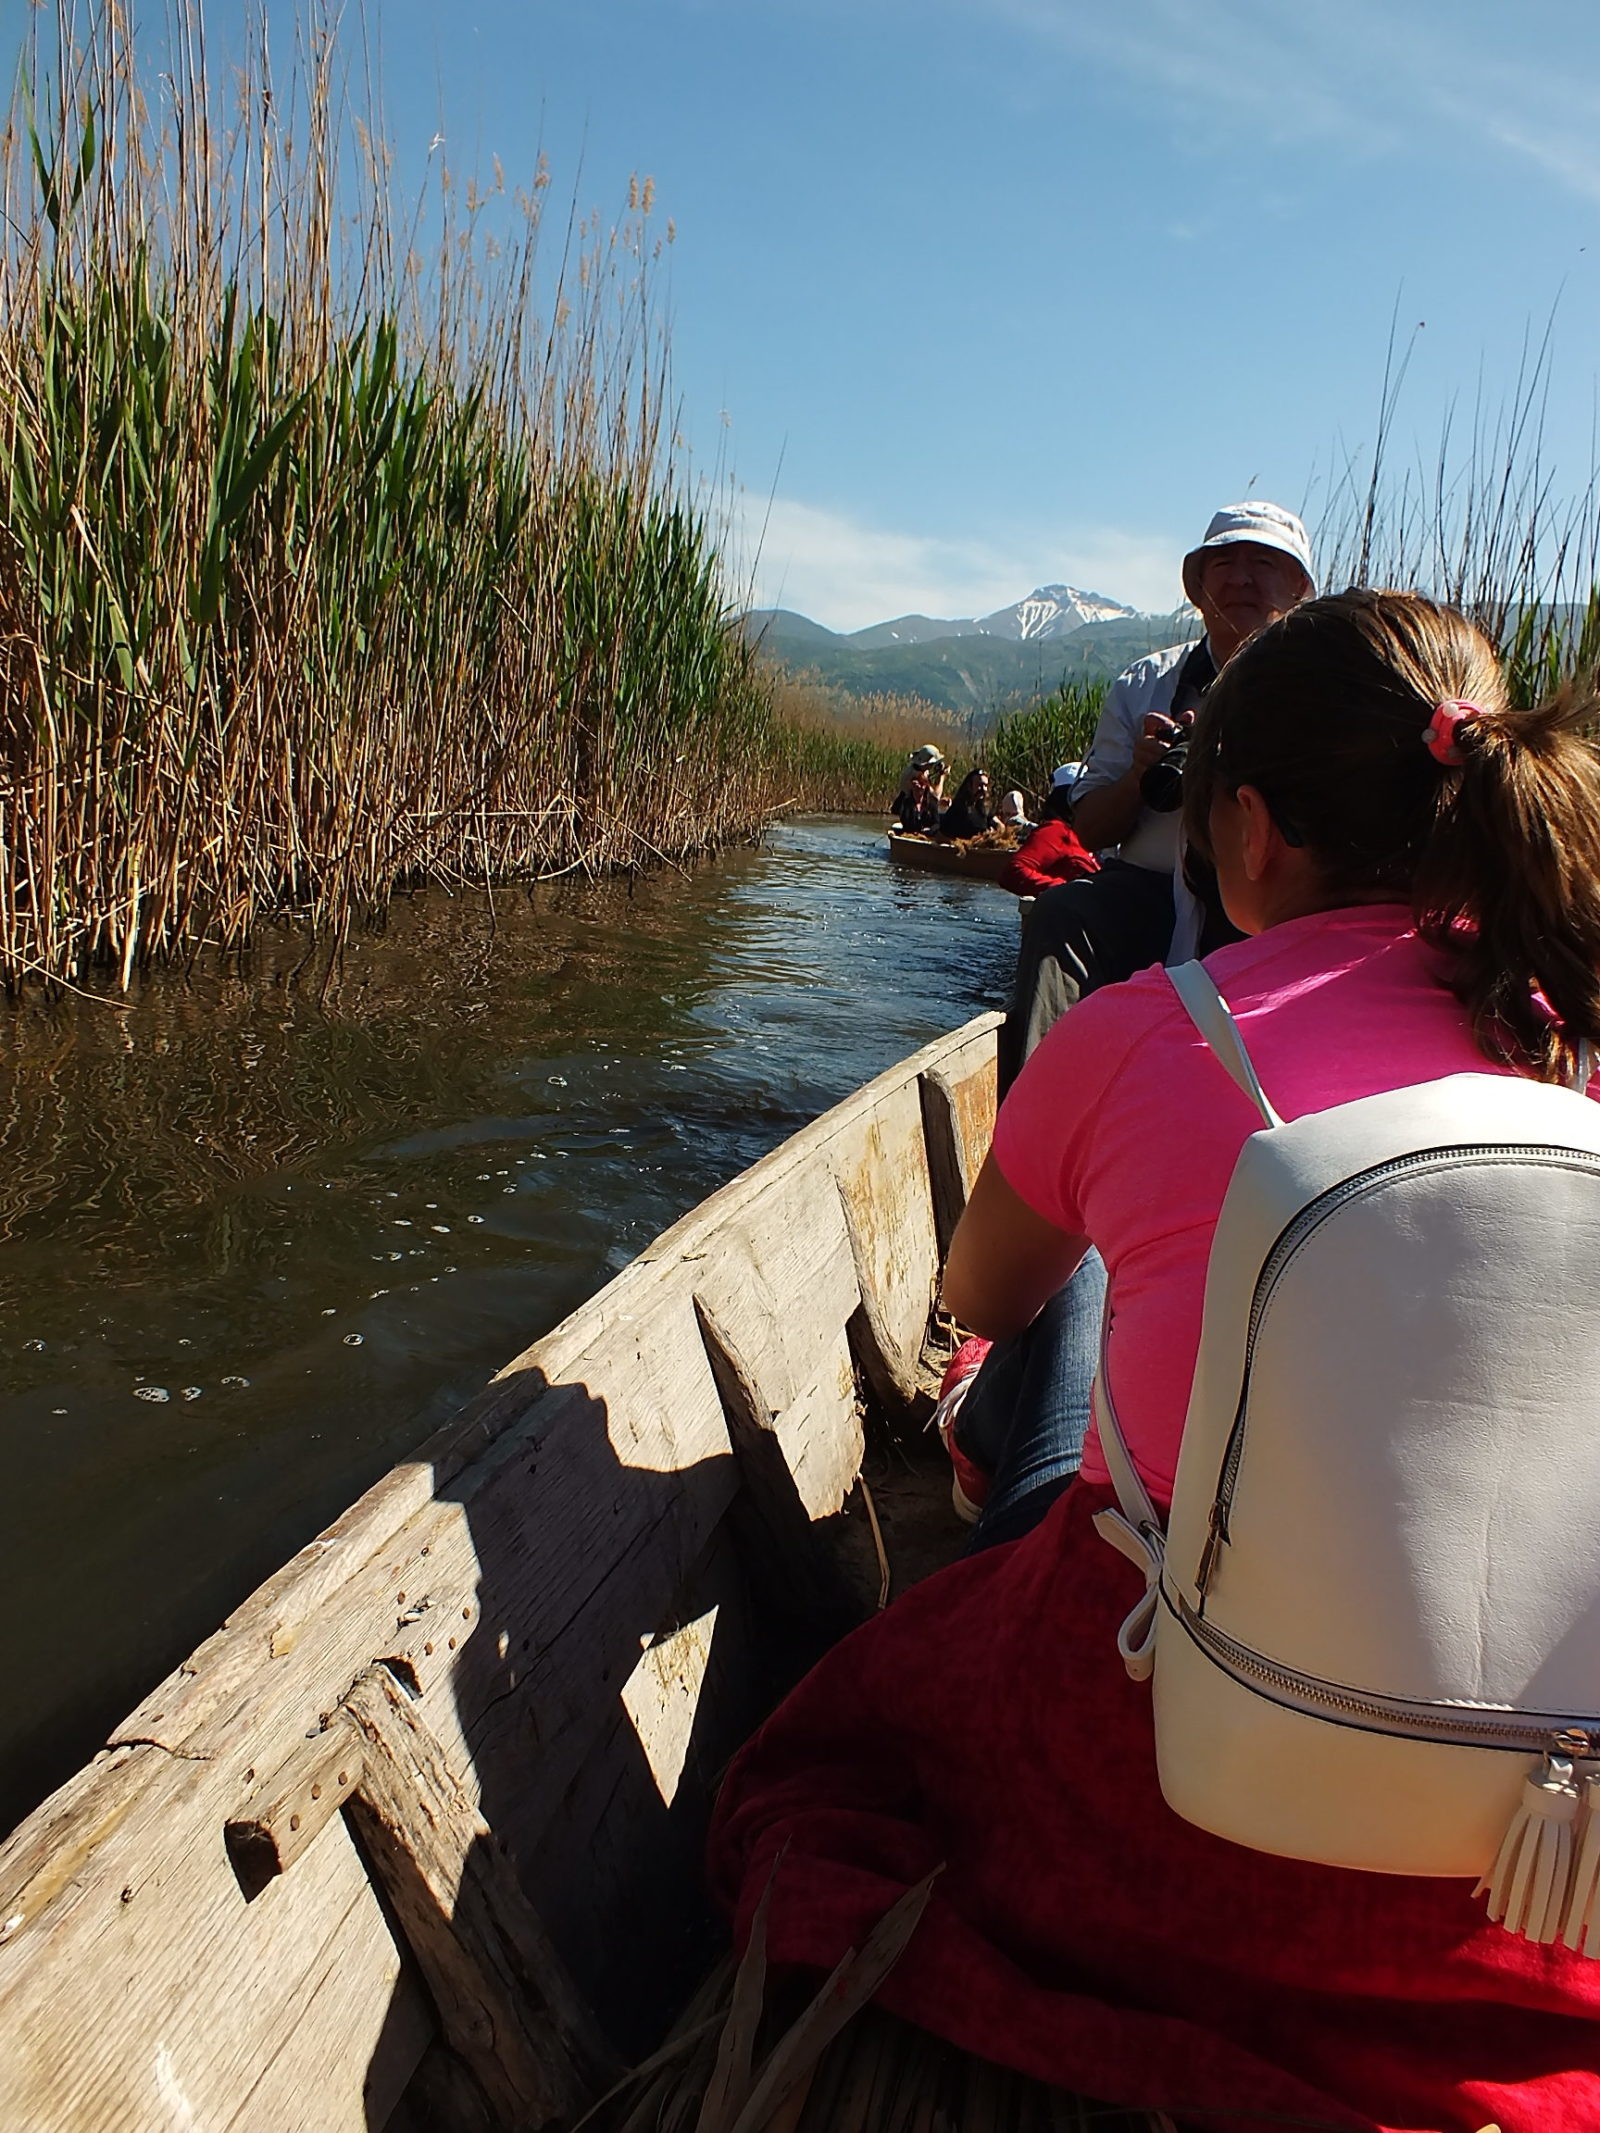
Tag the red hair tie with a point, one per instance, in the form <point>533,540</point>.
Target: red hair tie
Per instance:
<point>1441,735</point>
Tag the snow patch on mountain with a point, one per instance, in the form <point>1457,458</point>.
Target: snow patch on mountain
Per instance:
<point>1052,611</point>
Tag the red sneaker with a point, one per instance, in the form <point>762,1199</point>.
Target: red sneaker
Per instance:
<point>969,1485</point>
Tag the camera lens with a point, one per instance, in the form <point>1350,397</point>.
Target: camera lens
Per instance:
<point>1161,787</point>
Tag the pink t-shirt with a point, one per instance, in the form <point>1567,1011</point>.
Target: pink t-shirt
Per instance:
<point>1124,1129</point>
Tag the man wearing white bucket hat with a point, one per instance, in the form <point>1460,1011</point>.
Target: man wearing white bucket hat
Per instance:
<point>1252,566</point>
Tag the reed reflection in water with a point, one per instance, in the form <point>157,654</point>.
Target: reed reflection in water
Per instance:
<point>263,1231</point>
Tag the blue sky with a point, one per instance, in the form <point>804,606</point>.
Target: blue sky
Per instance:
<point>984,293</point>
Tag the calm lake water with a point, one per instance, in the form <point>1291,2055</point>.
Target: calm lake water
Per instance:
<point>263,1232</point>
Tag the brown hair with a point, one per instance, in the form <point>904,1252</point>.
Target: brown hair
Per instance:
<point>1498,855</point>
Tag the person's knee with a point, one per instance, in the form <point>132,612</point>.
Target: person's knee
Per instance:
<point>1061,922</point>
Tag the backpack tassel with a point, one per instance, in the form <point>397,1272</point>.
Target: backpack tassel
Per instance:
<point>1582,1929</point>
<point>1527,1885</point>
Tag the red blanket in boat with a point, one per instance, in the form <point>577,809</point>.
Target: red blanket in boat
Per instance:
<point>1081,1932</point>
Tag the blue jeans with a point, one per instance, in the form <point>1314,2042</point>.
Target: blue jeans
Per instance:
<point>1027,1413</point>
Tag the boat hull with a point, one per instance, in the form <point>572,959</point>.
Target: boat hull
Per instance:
<point>977,862</point>
<point>412,1839</point>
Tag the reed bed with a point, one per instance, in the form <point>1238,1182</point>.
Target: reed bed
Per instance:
<point>845,752</point>
<point>1026,746</point>
<point>327,567</point>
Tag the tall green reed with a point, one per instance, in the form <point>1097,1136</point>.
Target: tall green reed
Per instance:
<point>1026,746</point>
<point>325,568</point>
<point>1479,519</point>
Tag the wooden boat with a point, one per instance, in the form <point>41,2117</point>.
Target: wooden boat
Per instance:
<point>974,857</point>
<point>413,1841</point>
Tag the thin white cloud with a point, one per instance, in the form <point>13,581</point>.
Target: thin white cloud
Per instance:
<point>1359,73</point>
<point>847,573</point>
<point>1217,60</point>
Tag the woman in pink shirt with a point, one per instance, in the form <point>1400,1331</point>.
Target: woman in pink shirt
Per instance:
<point>1417,870</point>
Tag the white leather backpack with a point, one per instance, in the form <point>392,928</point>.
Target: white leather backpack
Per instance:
<point>1374,1616</point>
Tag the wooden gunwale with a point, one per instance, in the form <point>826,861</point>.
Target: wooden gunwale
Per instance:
<point>403,1838</point>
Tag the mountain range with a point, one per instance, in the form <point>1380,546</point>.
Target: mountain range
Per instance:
<point>975,665</point>
<point>1047,612</point>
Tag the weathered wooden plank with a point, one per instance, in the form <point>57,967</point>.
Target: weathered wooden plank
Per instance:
<point>881,1172</point>
<point>958,1106</point>
<point>505,2005</point>
<point>777,1279</point>
<point>568,1538</point>
<point>150,1994</point>
<point>302,1797</point>
<point>514,1572</point>
<point>617,1873</point>
<point>795,1471</point>
<point>346,2053</point>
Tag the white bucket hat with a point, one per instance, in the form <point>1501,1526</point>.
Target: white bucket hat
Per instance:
<point>1268,525</point>
<point>1065,774</point>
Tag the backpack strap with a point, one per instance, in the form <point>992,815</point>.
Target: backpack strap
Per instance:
<point>1208,1011</point>
<point>1582,1068</point>
<point>1135,1530</point>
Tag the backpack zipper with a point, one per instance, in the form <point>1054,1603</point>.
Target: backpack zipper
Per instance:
<point>1310,1218</point>
<point>1461,1725</point>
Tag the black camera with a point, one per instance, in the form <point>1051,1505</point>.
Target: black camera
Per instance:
<point>1161,787</point>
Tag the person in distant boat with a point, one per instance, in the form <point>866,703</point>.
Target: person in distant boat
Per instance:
<point>916,807</point>
<point>1414,865</point>
<point>1252,566</point>
<point>1053,853</point>
<point>969,813</point>
<point>1012,813</point>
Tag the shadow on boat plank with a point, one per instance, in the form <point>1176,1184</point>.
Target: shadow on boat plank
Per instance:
<point>566,1611</point>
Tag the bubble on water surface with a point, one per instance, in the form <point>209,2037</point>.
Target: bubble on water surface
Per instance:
<point>440,1229</point>
<point>353,1340</point>
<point>475,1218</point>
<point>332,1311</point>
<point>34,1347</point>
<point>192,1392</point>
<point>158,1393</point>
<point>558,1081</point>
<point>235,1381</point>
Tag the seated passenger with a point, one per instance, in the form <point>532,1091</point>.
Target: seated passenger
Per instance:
<point>1253,565</point>
<point>1012,813</point>
<point>915,806</point>
<point>1415,869</point>
<point>969,813</point>
<point>1052,853</point>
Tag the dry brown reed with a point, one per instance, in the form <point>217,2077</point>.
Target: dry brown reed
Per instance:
<point>747,2059</point>
<point>847,752</point>
<point>325,567</point>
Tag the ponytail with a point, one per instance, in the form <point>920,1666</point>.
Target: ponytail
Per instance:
<point>1377,729</point>
<point>1508,882</point>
